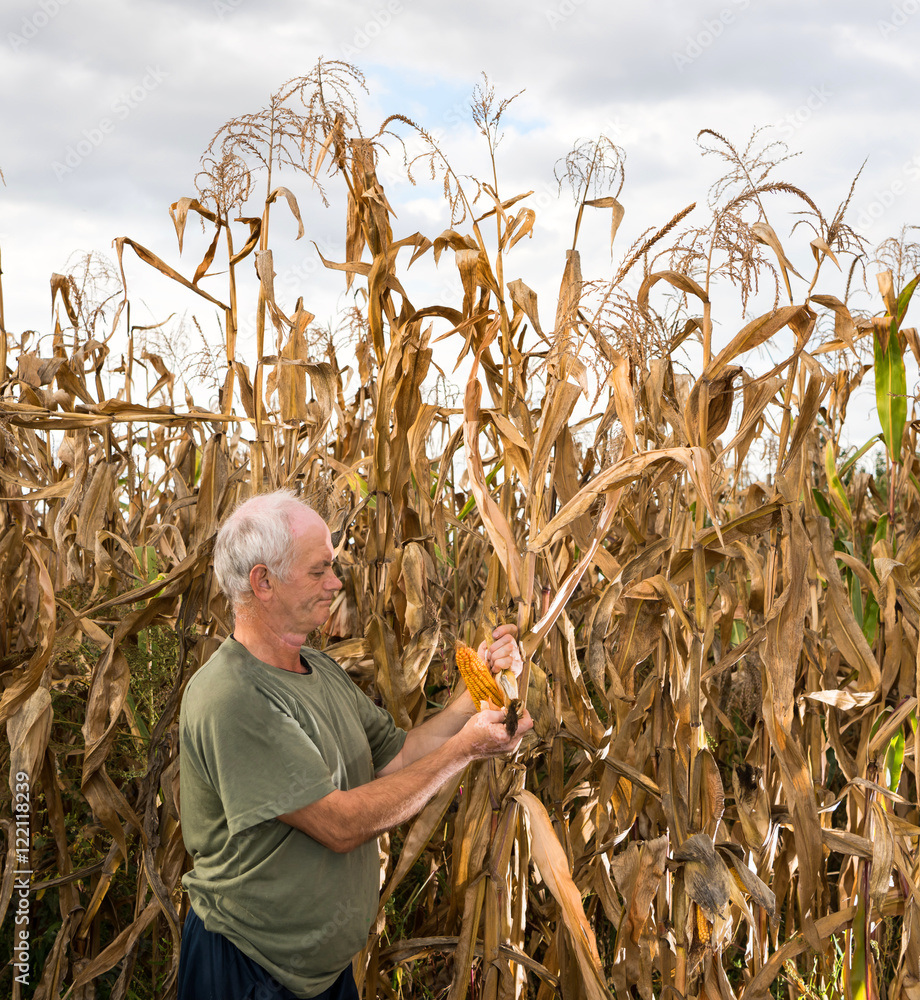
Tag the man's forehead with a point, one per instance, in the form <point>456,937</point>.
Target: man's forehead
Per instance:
<point>308,524</point>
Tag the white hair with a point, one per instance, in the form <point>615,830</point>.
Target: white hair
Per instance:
<point>259,531</point>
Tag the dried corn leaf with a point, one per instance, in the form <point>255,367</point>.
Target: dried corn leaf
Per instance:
<point>154,261</point>
<point>292,205</point>
<point>27,731</point>
<point>493,520</point>
<point>681,282</point>
<point>550,858</point>
<point>757,332</point>
<point>841,622</point>
<point>526,300</point>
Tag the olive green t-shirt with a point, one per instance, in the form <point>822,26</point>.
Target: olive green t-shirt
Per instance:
<point>256,742</point>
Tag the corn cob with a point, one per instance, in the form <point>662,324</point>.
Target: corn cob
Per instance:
<point>481,684</point>
<point>479,680</point>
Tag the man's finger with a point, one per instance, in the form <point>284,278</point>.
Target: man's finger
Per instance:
<point>504,644</point>
<point>505,657</point>
<point>525,723</point>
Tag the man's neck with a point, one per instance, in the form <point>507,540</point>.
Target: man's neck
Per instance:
<point>281,651</point>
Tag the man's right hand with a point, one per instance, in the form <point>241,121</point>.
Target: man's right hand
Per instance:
<point>484,735</point>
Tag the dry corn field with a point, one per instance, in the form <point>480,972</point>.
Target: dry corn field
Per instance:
<point>718,602</point>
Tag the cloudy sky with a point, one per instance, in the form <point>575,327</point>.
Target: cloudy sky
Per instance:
<point>108,106</point>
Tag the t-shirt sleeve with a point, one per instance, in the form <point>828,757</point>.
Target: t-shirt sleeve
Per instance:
<point>383,735</point>
<point>258,759</point>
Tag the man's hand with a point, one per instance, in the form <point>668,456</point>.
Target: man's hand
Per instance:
<point>485,734</point>
<point>505,652</point>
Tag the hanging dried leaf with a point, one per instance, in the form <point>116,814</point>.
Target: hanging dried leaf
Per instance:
<point>553,865</point>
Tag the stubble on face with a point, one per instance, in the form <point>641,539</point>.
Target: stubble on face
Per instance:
<point>312,575</point>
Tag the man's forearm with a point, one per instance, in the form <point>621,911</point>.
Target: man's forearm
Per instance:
<point>432,733</point>
<point>343,820</point>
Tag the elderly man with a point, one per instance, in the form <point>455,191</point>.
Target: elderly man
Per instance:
<point>289,773</point>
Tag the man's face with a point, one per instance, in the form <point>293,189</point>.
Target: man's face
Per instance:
<point>302,602</point>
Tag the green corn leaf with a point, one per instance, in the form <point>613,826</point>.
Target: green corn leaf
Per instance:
<point>904,299</point>
<point>357,483</point>
<point>878,722</point>
<point>146,556</point>
<point>823,506</point>
<point>891,391</point>
<point>894,761</point>
<point>471,503</point>
<point>914,481</point>
<point>838,494</point>
<point>853,459</point>
<point>856,601</point>
<point>870,619</point>
<point>859,964</point>
<point>881,529</point>
<point>135,712</point>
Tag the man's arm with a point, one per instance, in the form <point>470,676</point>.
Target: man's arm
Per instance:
<point>432,733</point>
<point>343,820</point>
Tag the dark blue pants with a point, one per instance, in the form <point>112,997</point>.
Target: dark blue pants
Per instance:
<point>212,968</point>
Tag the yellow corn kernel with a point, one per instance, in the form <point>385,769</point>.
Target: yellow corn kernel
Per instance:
<point>703,926</point>
<point>478,678</point>
<point>734,874</point>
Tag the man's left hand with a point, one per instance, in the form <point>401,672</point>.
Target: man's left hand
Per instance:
<point>505,652</point>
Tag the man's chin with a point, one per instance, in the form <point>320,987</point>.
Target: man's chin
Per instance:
<point>320,618</point>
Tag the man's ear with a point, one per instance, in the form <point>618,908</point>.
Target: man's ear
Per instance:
<point>260,582</point>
